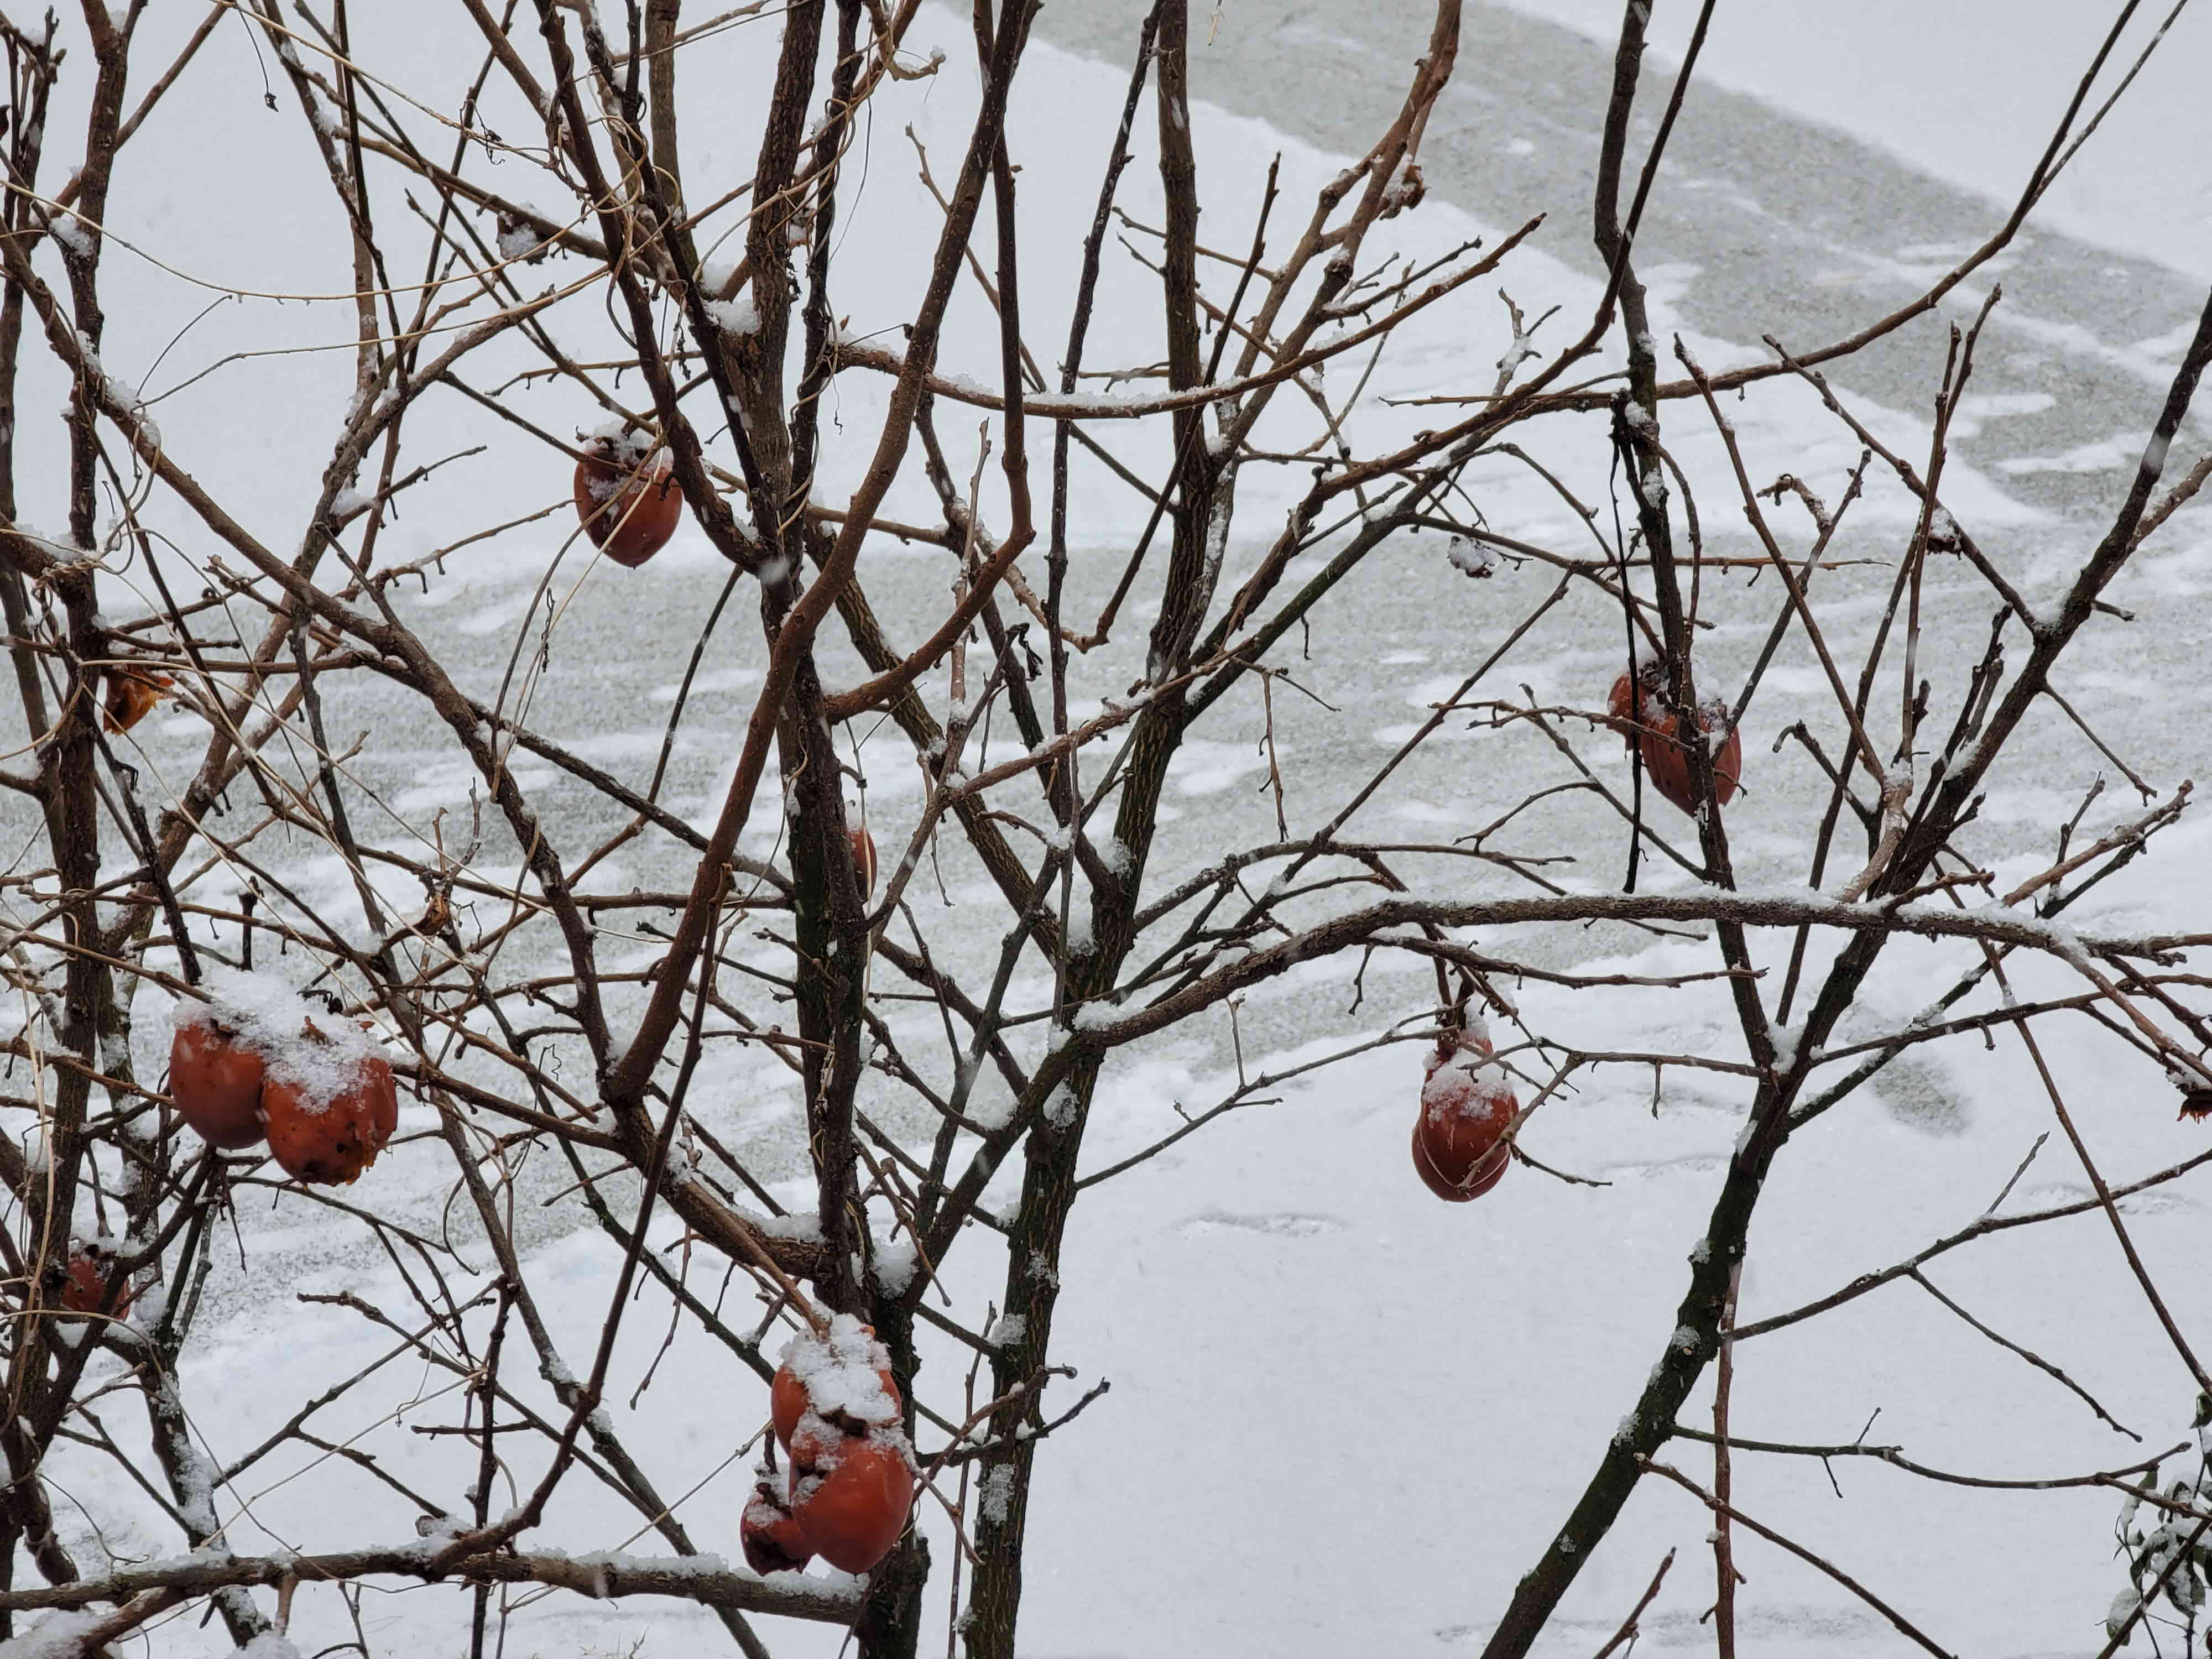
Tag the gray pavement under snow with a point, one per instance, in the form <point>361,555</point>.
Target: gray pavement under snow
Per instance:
<point>1793,229</point>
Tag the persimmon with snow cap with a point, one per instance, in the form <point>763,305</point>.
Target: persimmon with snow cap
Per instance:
<point>844,1378</point>
<point>215,1077</point>
<point>330,1105</point>
<point>836,1407</point>
<point>770,1534</point>
<point>1476,1035</point>
<point>325,1097</point>
<point>626,494</point>
<point>1466,1107</point>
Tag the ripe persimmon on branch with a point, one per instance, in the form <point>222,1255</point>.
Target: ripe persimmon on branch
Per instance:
<point>388,978</point>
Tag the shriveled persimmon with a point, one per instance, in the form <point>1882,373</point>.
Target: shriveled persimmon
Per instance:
<point>1657,737</point>
<point>1668,763</point>
<point>850,1494</point>
<point>769,1533</point>
<point>132,695</point>
<point>327,1129</point>
<point>1466,1107</point>
<point>86,1278</point>
<point>863,860</point>
<point>215,1079</point>
<point>627,497</point>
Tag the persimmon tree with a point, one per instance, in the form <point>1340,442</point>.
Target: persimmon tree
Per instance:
<point>671,330</point>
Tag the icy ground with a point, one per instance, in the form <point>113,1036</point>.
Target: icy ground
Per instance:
<point>1344,1418</point>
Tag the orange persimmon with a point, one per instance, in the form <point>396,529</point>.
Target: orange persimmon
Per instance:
<point>850,1495</point>
<point>863,860</point>
<point>1466,1106</point>
<point>132,695</point>
<point>770,1534</point>
<point>215,1080</point>
<point>628,497</point>
<point>329,1131</point>
<point>1644,705</point>
<point>838,1394</point>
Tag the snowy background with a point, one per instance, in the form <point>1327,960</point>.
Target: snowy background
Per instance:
<point>1344,1418</point>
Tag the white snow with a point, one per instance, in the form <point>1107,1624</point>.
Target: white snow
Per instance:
<point>1471,557</point>
<point>802,1224</point>
<point>738,317</point>
<point>840,1372</point>
<point>895,1264</point>
<point>1059,1107</point>
<point>992,1112</point>
<point>304,1044</point>
<point>519,239</point>
<point>1974,98</point>
<point>1543,1301</point>
<point>56,1635</point>
<point>996,1494</point>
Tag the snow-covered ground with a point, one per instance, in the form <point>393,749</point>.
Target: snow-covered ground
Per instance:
<point>1970,91</point>
<point>1344,1418</point>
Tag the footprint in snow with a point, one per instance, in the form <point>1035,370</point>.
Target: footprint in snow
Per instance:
<point>1692,1164</point>
<point>1919,1096</point>
<point>1287,1225</point>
